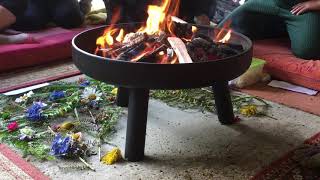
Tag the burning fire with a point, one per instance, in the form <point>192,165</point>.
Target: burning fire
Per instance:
<point>160,20</point>
<point>224,39</point>
<point>156,19</point>
<point>157,22</point>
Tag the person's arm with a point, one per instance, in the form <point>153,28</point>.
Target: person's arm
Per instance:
<point>6,18</point>
<point>311,5</point>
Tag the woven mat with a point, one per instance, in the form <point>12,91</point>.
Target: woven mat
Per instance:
<point>36,75</point>
<point>12,166</point>
<point>310,104</point>
<point>292,165</point>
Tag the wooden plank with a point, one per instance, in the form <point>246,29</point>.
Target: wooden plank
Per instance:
<point>180,49</point>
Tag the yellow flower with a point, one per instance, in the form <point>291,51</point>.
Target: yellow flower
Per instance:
<point>77,136</point>
<point>114,91</point>
<point>249,110</point>
<point>112,157</point>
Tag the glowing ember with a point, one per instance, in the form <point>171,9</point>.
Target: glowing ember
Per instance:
<point>161,53</point>
<point>194,29</point>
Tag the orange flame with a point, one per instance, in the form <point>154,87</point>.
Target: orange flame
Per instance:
<point>106,40</point>
<point>227,37</point>
<point>120,36</point>
<point>158,16</point>
<point>224,39</point>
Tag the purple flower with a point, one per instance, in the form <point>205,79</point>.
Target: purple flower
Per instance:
<point>55,95</point>
<point>85,83</point>
<point>61,145</point>
<point>34,112</point>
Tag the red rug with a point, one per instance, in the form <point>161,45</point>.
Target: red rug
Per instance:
<point>37,75</point>
<point>310,104</point>
<point>292,165</point>
<point>12,166</point>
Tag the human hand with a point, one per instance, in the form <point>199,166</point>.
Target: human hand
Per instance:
<point>310,5</point>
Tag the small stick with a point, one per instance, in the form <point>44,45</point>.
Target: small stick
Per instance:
<point>98,138</point>
<point>85,163</point>
<point>77,115</point>
<point>51,131</point>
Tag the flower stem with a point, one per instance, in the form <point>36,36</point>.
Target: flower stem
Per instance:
<point>85,163</point>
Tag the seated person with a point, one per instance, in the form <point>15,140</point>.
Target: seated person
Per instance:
<point>136,10</point>
<point>259,19</point>
<point>26,15</point>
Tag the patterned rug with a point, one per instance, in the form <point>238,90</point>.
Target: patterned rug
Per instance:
<point>37,75</point>
<point>14,167</point>
<point>302,163</point>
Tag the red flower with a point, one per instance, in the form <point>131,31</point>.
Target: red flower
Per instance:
<point>12,126</point>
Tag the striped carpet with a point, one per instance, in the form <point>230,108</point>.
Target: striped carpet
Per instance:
<point>12,166</point>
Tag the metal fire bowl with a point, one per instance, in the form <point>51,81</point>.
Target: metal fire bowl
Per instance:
<point>158,76</point>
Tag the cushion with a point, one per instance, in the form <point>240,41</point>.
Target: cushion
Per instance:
<point>283,65</point>
<point>52,44</point>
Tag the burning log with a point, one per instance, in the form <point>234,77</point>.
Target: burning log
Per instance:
<point>150,56</point>
<point>130,52</point>
<point>203,48</point>
<point>180,49</point>
<point>181,28</point>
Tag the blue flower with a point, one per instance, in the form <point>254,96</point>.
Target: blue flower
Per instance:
<point>55,95</point>
<point>34,112</point>
<point>94,104</point>
<point>61,145</point>
<point>85,83</point>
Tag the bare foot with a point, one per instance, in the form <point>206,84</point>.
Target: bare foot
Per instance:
<point>22,38</point>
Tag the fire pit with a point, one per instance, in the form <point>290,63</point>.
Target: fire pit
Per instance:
<point>135,76</point>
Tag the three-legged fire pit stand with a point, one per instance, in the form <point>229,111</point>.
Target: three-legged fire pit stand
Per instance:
<point>136,79</point>
<point>137,99</point>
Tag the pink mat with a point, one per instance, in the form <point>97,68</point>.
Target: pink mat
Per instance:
<point>52,44</point>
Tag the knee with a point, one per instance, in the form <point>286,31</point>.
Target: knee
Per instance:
<point>6,18</point>
<point>70,18</point>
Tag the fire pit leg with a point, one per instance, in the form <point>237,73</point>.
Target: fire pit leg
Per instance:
<point>122,97</point>
<point>223,102</point>
<point>136,124</point>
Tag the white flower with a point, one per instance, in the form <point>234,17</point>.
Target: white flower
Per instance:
<point>91,94</point>
<point>24,98</point>
<point>41,104</point>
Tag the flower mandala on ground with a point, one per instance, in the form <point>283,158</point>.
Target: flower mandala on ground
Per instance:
<point>12,126</point>
<point>91,94</point>
<point>27,134</point>
<point>55,95</point>
<point>34,113</point>
<point>61,145</point>
<point>24,98</point>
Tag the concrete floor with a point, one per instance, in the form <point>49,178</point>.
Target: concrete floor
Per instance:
<point>192,145</point>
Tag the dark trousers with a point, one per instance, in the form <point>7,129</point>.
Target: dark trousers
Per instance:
<point>36,14</point>
<point>136,10</point>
